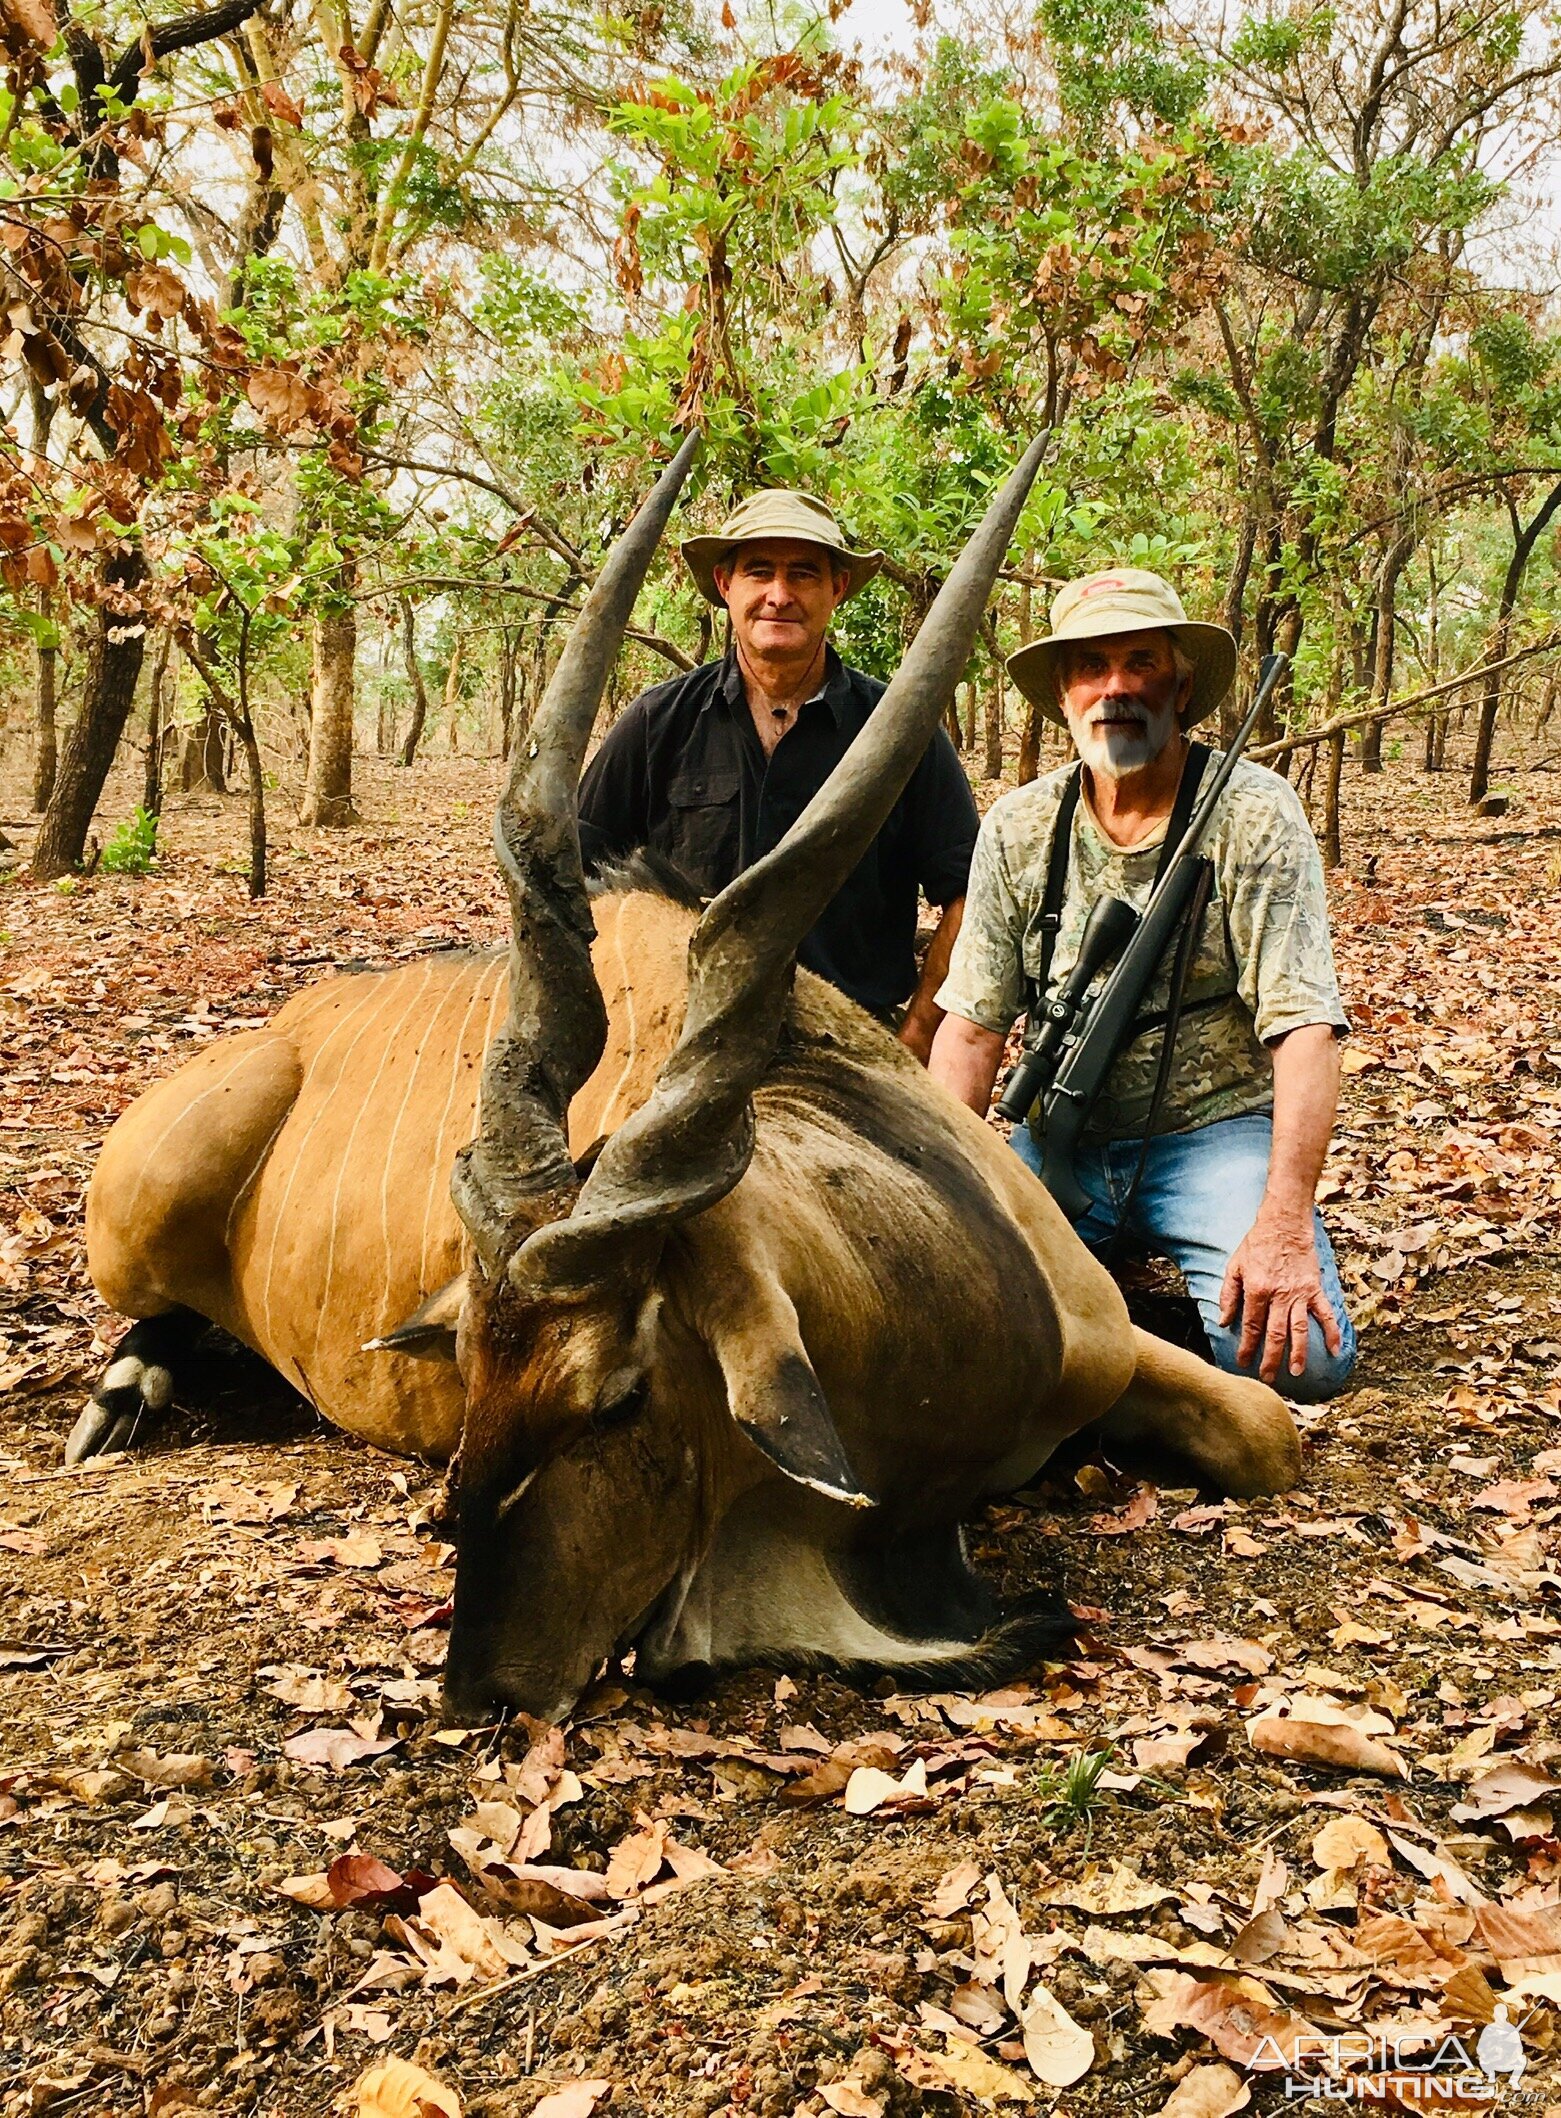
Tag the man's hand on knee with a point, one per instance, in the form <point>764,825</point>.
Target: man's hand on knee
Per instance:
<point>1274,1284</point>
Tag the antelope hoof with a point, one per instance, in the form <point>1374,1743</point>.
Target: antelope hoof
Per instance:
<point>130,1389</point>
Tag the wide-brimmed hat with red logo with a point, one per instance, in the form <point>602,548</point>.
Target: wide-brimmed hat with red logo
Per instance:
<point>778,513</point>
<point>1125,599</point>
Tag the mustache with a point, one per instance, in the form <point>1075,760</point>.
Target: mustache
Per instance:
<point>1120,710</point>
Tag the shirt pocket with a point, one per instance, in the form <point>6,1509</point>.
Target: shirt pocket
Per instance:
<point>702,825</point>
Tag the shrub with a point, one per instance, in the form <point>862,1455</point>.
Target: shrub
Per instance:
<point>133,847</point>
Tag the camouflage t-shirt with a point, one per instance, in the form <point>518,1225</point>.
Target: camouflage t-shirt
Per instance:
<point>1263,965</point>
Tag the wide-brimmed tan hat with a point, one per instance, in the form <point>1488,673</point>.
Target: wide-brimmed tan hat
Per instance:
<point>1126,599</point>
<point>777,513</point>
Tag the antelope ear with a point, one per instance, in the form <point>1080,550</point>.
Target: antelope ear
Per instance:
<point>783,1411</point>
<point>428,1334</point>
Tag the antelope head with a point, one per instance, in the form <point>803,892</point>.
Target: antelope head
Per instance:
<point>599,1438</point>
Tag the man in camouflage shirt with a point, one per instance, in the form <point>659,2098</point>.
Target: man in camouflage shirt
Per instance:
<point>1225,1188</point>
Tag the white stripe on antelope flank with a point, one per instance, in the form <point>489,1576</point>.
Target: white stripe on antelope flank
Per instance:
<point>439,1173</point>
<point>279,1210</point>
<point>390,1315</point>
<point>255,1168</point>
<point>153,1157</point>
<point>344,1160</point>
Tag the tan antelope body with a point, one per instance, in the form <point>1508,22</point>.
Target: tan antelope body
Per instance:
<point>752,1313</point>
<point>292,1184</point>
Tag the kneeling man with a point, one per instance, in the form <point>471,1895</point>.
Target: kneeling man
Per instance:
<point>1212,1159</point>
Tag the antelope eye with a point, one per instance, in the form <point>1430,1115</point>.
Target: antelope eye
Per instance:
<point>622,1399</point>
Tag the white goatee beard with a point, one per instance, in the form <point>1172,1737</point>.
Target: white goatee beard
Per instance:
<point>1118,751</point>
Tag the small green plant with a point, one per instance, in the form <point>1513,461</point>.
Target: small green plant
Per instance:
<point>1073,1795</point>
<point>68,885</point>
<point>133,847</point>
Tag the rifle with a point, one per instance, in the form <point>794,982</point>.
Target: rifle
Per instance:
<point>1077,1041</point>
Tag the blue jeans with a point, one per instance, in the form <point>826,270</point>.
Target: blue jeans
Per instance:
<point>1199,1196</point>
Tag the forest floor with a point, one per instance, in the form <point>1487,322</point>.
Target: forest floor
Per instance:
<point>241,1864</point>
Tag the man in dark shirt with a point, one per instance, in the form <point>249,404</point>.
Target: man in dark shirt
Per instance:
<point>710,769</point>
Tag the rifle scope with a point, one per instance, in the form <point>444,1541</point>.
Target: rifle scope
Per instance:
<point>1110,927</point>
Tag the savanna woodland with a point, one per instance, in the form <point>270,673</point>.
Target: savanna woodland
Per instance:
<point>343,337</point>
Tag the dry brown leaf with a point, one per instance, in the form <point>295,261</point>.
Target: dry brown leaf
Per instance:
<point>36,21</point>
<point>564,1897</point>
<point>1249,1658</point>
<point>1339,1744</point>
<point>1140,1509</point>
<point>311,1890</point>
<point>1347,1842</point>
<point>311,1693</point>
<point>358,1550</point>
<point>962,2070</point>
<point>1169,1753</point>
<point>637,1860</point>
<point>1236,2020</point>
<point>455,1943</point>
<point>396,2088</point>
<point>277,393</point>
<point>979,2007</point>
<point>1522,1942</point>
<point>1059,2050</point>
<point>280,103</point>
<point>577,2099</point>
<point>851,2099</point>
<point>266,1502</point>
<point>869,1790</point>
<point>335,1748</point>
<point>1207,2092</point>
<point>178,1769</point>
<point>953,1891</point>
<point>1404,1954</point>
<point>1456,1887</point>
<point>1507,1787</point>
<point>999,1946</point>
<point>1122,1890</point>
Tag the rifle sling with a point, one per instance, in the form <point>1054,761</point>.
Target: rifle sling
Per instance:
<point>1056,882</point>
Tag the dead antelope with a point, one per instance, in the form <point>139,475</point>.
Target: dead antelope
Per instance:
<point>747,1314</point>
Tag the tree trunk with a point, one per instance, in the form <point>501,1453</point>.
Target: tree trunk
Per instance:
<point>992,754</point>
<point>107,696</point>
<point>328,783</point>
<point>1547,706</point>
<point>1384,641</point>
<point>1232,618</point>
<point>257,811</point>
<point>1030,746</point>
<point>203,756</point>
<point>414,733</point>
<point>1332,843</point>
<point>1523,542</point>
<point>156,729</point>
<point>452,697</point>
<point>509,652</point>
<point>46,757</point>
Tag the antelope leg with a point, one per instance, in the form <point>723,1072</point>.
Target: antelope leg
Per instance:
<point>137,1384</point>
<point>1235,1433</point>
